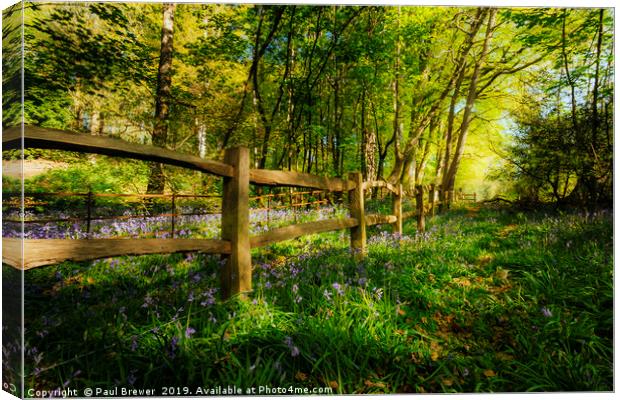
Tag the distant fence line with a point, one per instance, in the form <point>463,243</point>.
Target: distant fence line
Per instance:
<point>236,242</point>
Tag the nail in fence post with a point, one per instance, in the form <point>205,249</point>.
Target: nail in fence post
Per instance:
<point>174,211</point>
<point>397,210</point>
<point>431,200</point>
<point>237,269</point>
<point>419,200</point>
<point>356,210</point>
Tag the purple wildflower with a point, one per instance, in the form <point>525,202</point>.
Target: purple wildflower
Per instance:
<point>148,301</point>
<point>189,332</point>
<point>131,379</point>
<point>546,312</point>
<point>288,341</point>
<point>134,343</point>
<point>174,344</point>
<point>338,288</point>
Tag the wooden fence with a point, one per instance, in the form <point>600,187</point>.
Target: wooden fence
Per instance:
<point>236,242</point>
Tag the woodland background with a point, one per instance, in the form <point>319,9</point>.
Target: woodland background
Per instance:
<point>507,101</point>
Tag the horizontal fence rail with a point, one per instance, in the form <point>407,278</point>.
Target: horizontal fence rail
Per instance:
<point>298,179</point>
<point>380,184</point>
<point>236,242</point>
<point>298,230</point>
<point>47,138</point>
<point>41,252</point>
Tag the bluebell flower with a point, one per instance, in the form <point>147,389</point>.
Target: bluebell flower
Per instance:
<point>546,312</point>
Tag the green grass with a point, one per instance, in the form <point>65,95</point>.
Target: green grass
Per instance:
<point>484,301</point>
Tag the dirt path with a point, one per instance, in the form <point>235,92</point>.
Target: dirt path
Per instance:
<point>12,168</point>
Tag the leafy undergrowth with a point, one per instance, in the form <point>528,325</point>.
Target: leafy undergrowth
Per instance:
<point>485,300</point>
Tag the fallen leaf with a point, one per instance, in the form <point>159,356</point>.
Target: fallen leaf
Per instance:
<point>501,274</point>
<point>300,376</point>
<point>333,385</point>
<point>504,356</point>
<point>447,381</point>
<point>508,229</point>
<point>485,259</point>
<point>401,311</point>
<point>462,281</point>
<point>489,373</point>
<point>369,383</point>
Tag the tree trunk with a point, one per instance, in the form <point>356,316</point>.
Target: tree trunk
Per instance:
<point>162,97</point>
<point>467,113</point>
<point>419,172</point>
<point>402,162</point>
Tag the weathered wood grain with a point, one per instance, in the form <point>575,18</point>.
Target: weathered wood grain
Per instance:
<point>295,231</point>
<point>236,275</point>
<point>387,185</point>
<point>377,219</point>
<point>356,210</point>
<point>298,179</point>
<point>40,252</point>
<point>47,138</point>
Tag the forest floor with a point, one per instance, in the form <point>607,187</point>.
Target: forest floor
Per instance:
<point>486,300</point>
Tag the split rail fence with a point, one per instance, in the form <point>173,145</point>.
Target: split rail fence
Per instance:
<point>236,242</point>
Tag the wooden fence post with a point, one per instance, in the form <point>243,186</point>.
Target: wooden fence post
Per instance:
<point>89,206</point>
<point>446,200</point>
<point>172,218</point>
<point>356,209</point>
<point>237,270</point>
<point>419,202</point>
<point>397,210</point>
<point>431,200</point>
